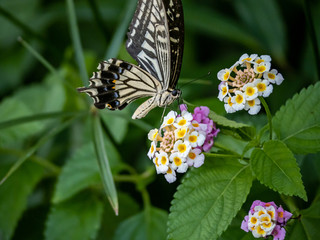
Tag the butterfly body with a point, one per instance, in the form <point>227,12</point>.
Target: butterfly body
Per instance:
<point>155,41</point>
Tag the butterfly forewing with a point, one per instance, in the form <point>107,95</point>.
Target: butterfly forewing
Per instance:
<point>176,33</point>
<point>148,39</point>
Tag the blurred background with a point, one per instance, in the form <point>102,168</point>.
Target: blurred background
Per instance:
<point>217,33</point>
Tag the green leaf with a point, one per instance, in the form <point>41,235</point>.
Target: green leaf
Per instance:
<point>73,178</point>
<point>147,225</point>
<point>276,167</point>
<point>12,134</point>
<point>110,222</point>
<point>297,123</point>
<point>78,218</point>
<point>118,126</point>
<point>14,194</point>
<point>308,226</point>
<point>104,165</point>
<point>208,199</point>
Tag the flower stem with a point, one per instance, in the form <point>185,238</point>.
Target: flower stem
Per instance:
<point>265,105</point>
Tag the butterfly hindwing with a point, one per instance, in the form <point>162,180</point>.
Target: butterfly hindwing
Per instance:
<point>117,83</point>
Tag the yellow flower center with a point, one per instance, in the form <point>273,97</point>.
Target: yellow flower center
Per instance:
<point>182,122</point>
<point>261,87</point>
<point>251,103</point>
<point>271,76</point>
<point>152,148</point>
<point>239,99</point>
<point>177,161</point>
<point>192,155</point>
<point>280,214</point>
<point>267,225</point>
<point>265,219</point>
<point>182,148</point>
<point>163,160</point>
<point>260,231</point>
<point>169,171</point>
<point>229,102</point>
<point>271,214</point>
<point>224,90</point>
<point>156,162</point>
<point>249,91</point>
<point>226,76</point>
<point>259,61</point>
<point>170,121</point>
<point>195,125</point>
<point>253,220</point>
<point>261,69</point>
<point>247,59</point>
<point>260,212</point>
<point>181,133</point>
<point>192,138</point>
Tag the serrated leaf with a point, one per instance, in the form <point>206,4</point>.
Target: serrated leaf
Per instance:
<point>147,225</point>
<point>233,128</point>
<point>276,167</point>
<point>82,171</point>
<point>14,193</point>
<point>208,199</point>
<point>78,218</point>
<point>297,123</point>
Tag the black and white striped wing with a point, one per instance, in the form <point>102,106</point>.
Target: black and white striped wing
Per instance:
<point>117,83</point>
<point>148,39</point>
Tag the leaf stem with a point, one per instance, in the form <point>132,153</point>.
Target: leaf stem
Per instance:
<point>75,36</point>
<point>265,105</point>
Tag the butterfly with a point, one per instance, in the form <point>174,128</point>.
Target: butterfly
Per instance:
<point>155,41</point>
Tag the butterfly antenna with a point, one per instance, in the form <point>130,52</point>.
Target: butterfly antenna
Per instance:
<point>193,80</point>
<point>164,110</point>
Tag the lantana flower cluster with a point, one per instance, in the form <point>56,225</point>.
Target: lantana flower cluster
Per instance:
<point>266,219</point>
<point>246,80</point>
<point>181,141</point>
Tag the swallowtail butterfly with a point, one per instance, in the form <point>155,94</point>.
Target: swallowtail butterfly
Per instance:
<point>155,41</point>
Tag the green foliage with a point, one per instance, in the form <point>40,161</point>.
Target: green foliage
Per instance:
<point>208,199</point>
<point>147,225</point>
<point>275,166</point>
<point>59,157</point>
<point>77,218</point>
<point>14,193</point>
<point>298,122</point>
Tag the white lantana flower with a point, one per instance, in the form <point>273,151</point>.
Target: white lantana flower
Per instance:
<point>152,135</point>
<point>262,58</point>
<point>271,75</point>
<point>229,105</point>
<point>195,158</point>
<point>262,67</point>
<point>224,74</point>
<point>184,120</point>
<point>253,106</point>
<point>246,58</point>
<point>238,100</point>
<point>152,150</point>
<point>170,175</point>
<point>163,161</point>
<point>178,163</point>
<point>223,90</point>
<point>182,147</point>
<point>250,91</point>
<point>181,132</point>
<point>279,79</point>
<point>195,139</point>
<point>264,87</point>
<point>169,119</point>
